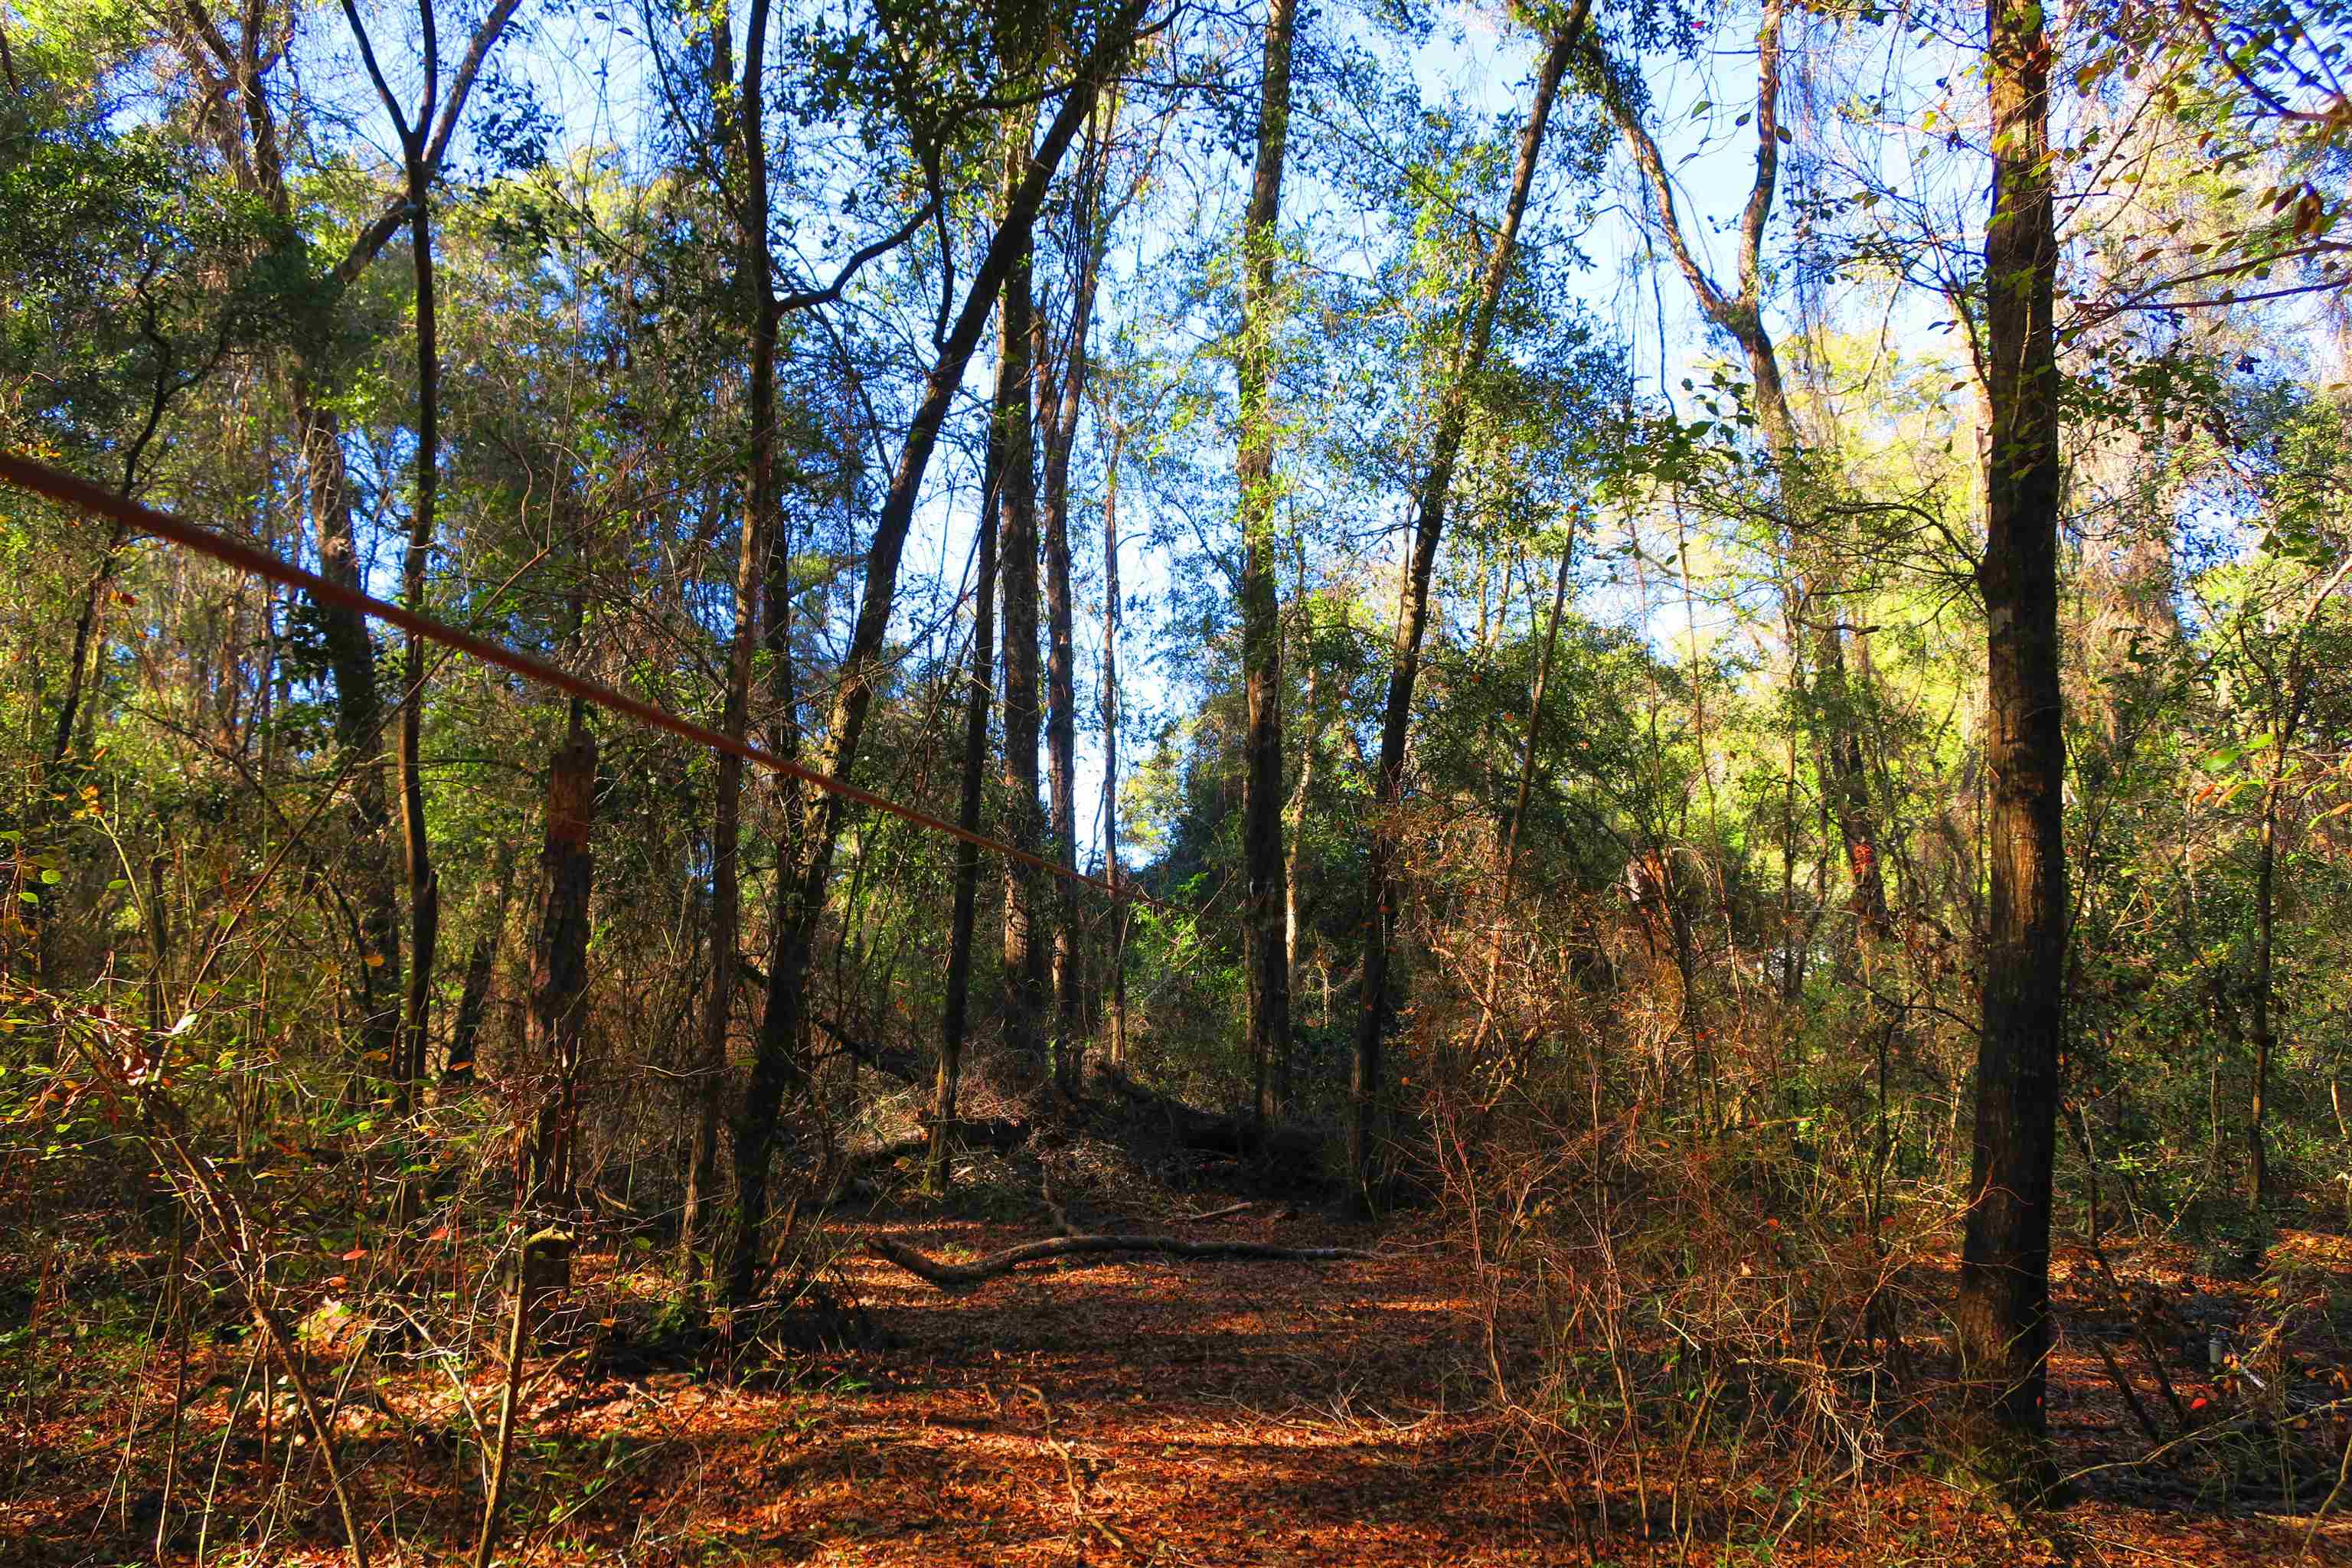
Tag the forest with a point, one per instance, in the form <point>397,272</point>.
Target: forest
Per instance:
<point>1164,782</point>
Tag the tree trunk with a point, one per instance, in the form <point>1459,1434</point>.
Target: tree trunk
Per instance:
<point>801,878</point>
<point>558,983</point>
<point>758,287</point>
<point>1059,400</point>
<point>1528,752</point>
<point>424,882</point>
<point>1115,961</point>
<point>1262,801</point>
<point>1025,894</point>
<point>2258,1171</point>
<point>1286,1098</point>
<point>350,654</point>
<point>1846,775</point>
<point>358,717</point>
<point>1365,1086</point>
<point>955,1023</point>
<point>2001,1317</point>
<point>481,968</point>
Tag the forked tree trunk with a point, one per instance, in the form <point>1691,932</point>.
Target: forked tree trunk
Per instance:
<point>1366,1087</point>
<point>2001,1318</point>
<point>261,168</point>
<point>1845,774</point>
<point>802,878</point>
<point>1060,399</point>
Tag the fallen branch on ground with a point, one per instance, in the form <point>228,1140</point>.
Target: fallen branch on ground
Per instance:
<point>966,1276</point>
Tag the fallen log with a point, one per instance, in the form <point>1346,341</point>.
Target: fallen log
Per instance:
<point>969,1276</point>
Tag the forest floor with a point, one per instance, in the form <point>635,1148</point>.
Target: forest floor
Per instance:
<point>1138,1411</point>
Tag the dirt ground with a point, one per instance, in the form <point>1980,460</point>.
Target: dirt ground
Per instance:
<point>1135,1411</point>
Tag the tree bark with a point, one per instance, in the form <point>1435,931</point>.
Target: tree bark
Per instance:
<point>1262,800</point>
<point>2001,1317</point>
<point>1365,1083</point>
<point>559,984</point>
<point>1286,1096</point>
<point>1015,439</point>
<point>424,882</point>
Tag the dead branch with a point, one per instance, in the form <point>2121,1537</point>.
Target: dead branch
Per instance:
<point>969,1276</point>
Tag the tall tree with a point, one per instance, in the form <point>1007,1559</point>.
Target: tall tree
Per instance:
<point>1739,313</point>
<point>1060,396</point>
<point>1115,961</point>
<point>2001,1318</point>
<point>743,134</point>
<point>1262,800</point>
<point>235,60</point>
<point>424,882</point>
<point>1012,439</point>
<point>1365,1086</point>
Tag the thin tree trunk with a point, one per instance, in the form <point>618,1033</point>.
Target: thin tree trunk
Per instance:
<point>758,286</point>
<point>956,1020</point>
<point>1059,402</point>
<point>1527,788</point>
<point>801,879</point>
<point>2001,1317</point>
<point>2282,738</point>
<point>424,882</point>
<point>2265,1040</point>
<point>1286,1096</point>
<point>1116,960</point>
<point>481,968</point>
<point>1365,1084</point>
<point>1262,803</point>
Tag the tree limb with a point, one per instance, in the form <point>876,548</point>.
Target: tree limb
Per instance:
<point>970,1276</point>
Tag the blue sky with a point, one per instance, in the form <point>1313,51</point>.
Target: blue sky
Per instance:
<point>587,67</point>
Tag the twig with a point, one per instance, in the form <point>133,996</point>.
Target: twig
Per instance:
<point>2342,1470</point>
<point>2124,1387</point>
<point>510,1397</point>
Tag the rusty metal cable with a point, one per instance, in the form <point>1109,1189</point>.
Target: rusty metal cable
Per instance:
<point>69,489</point>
